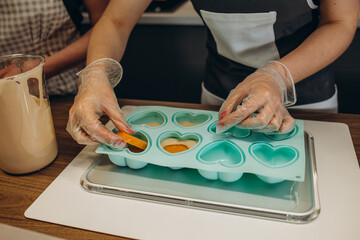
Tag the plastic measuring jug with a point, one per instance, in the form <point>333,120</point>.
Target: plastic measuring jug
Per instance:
<point>27,136</point>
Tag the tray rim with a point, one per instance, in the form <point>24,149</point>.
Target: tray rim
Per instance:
<point>270,214</point>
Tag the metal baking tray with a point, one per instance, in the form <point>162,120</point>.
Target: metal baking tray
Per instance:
<point>288,201</point>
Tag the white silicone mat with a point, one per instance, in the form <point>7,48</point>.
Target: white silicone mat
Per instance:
<point>65,202</point>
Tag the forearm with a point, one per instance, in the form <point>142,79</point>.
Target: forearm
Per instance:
<point>111,33</point>
<point>67,58</point>
<point>318,51</point>
<point>106,41</point>
<point>322,47</point>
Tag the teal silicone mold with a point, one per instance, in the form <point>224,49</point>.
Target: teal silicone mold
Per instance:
<point>225,156</point>
<point>223,176</point>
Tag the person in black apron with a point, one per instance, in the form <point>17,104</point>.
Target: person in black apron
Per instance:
<point>50,29</point>
<point>276,30</point>
<point>263,56</point>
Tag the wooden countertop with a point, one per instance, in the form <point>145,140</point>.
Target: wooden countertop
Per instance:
<point>17,193</point>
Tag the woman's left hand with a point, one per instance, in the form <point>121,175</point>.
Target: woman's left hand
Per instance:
<point>258,103</point>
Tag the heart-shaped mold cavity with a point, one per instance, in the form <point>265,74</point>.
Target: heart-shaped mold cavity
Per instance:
<point>222,152</point>
<point>142,137</point>
<point>186,119</point>
<point>174,142</point>
<point>150,119</point>
<point>283,136</point>
<point>234,131</point>
<point>273,156</point>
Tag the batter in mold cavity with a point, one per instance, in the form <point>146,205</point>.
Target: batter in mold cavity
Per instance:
<point>174,145</point>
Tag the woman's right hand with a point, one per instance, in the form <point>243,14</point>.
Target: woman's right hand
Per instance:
<point>95,98</point>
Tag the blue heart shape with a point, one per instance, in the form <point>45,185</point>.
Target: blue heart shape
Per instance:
<point>234,131</point>
<point>283,136</point>
<point>273,156</point>
<point>180,137</point>
<point>145,118</point>
<point>194,118</point>
<point>222,152</point>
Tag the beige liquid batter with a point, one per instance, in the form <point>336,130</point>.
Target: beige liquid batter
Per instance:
<point>188,124</point>
<point>174,141</point>
<point>153,124</point>
<point>27,139</point>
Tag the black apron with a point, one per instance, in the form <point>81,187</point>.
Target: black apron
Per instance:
<point>244,35</point>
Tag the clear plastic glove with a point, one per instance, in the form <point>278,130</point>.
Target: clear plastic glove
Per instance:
<point>258,103</point>
<point>95,98</point>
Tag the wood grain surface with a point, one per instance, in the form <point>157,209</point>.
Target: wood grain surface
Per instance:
<point>18,192</point>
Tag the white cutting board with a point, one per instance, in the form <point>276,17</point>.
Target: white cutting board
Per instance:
<point>65,202</point>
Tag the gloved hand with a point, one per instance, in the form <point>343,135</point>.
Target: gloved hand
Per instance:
<point>95,98</point>
<point>258,103</point>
